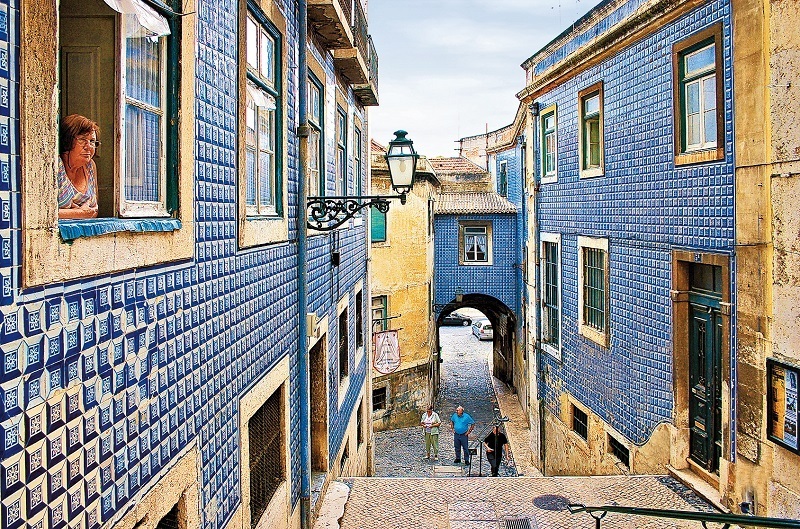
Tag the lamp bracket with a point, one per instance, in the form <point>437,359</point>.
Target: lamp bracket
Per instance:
<point>328,213</point>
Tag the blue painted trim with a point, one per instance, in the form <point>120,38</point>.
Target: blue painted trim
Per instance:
<point>74,229</point>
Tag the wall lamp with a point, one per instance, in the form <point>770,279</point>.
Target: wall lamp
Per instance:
<point>328,213</point>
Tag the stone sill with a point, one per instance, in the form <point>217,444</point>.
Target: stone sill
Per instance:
<point>699,485</point>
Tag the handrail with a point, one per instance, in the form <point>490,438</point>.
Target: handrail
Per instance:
<point>703,517</point>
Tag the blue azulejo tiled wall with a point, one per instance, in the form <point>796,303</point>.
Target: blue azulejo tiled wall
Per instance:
<point>646,207</point>
<point>106,381</point>
<point>497,279</point>
<point>513,157</point>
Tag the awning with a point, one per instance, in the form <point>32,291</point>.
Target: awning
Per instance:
<point>148,18</point>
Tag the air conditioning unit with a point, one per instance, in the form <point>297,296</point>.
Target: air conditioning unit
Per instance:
<point>312,325</point>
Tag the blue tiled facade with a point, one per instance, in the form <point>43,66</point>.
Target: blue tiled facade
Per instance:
<point>645,206</point>
<point>497,280</point>
<point>107,380</point>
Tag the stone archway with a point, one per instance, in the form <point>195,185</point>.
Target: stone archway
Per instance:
<point>504,323</point>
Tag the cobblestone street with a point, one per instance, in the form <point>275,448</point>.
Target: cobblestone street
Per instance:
<point>466,382</point>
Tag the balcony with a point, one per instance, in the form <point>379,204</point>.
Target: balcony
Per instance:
<point>352,61</point>
<point>368,93</point>
<point>330,20</point>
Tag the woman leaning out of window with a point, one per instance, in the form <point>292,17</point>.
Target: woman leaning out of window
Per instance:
<point>77,173</point>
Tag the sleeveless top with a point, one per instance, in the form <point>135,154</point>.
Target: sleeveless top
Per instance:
<point>68,194</point>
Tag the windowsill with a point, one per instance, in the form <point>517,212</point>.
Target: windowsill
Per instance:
<point>692,157</point>
<point>476,263</point>
<point>260,230</point>
<point>598,337</point>
<point>552,351</point>
<point>549,179</point>
<point>591,173</point>
<point>71,229</point>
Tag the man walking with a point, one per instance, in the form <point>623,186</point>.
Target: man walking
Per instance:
<point>430,423</point>
<point>462,427</point>
<point>494,443</point>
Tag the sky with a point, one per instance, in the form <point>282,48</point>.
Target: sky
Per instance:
<point>447,69</point>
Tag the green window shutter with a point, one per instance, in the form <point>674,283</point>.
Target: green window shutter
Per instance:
<point>378,220</point>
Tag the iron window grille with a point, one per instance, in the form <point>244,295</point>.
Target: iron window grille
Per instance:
<point>619,451</point>
<point>594,288</point>
<point>580,422</point>
<point>550,299</point>
<point>378,399</point>
<point>267,471</point>
<point>344,363</point>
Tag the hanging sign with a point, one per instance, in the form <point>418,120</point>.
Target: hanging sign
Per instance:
<point>387,352</point>
<point>782,381</point>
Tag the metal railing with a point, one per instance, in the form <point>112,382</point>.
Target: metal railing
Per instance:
<point>598,513</point>
<point>360,33</point>
<point>347,9</point>
<point>373,63</point>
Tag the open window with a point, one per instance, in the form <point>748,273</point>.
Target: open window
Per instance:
<point>590,145</point>
<point>129,66</point>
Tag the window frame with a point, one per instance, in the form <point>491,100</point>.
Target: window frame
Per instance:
<point>462,243</point>
<point>684,155</point>
<point>384,307</point>
<point>548,347</point>
<point>502,178</point>
<point>358,159</point>
<point>385,400</point>
<point>133,245</point>
<point>599,336</point>
<point>341,118</point>
<point>586,170</point>
<point>260,229</point>
<point>343,344</point>
<point>548,177</point>
<point>317,124</point>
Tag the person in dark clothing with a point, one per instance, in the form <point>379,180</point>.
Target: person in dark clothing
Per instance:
<point>494,444</point>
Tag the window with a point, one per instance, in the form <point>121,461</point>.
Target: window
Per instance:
<point>360,424</point>
<point>262,116</point>
<point>699,100</point>
<point>262,180</point>
<point>358,164</point>
<point>344,357</point>
<point>591,131</point>
<point>378,399</point>
<point>359,320</point>
<point>551,294</point>
<point>379,314</point>
<point>316,141</point>
<point>580,422</point>
<point>619,450</point>
<point>549,145</point>
<point>267,470</point>
<point>144,105</point>
<point>475,243</point>
<point>502,178</point>
<point>594,287</point>
<point>341,151</point>
<point>378,225</point>
<point>345,457</point>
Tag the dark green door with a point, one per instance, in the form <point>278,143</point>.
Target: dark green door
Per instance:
<point>705,399</point>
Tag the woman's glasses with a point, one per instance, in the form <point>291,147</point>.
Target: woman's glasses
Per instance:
<point>83,142</point>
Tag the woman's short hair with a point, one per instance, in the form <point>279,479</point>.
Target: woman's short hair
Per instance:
<point>73,126</point>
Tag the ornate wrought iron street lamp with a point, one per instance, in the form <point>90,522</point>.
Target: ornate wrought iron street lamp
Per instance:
<point>328,213</point>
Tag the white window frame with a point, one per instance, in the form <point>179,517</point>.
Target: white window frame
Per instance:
<point>462,242</point>
<point>554,238</point>
<point>700,77</point>
<point>549,177</point>
<point>591,171</point>
<point>601,337</point>
<point>134,208</point>
<point>266,88</point>
<point>341,126</point>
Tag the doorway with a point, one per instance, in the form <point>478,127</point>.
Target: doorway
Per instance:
<point>705,366</point>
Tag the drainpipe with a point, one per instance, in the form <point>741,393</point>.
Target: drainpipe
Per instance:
<point>534,108</point>
<point>302,272</point>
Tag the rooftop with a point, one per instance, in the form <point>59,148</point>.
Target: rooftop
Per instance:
<point>456,166</point>
<point>470,202</point>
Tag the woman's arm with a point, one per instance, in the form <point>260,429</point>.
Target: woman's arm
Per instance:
<point>83,212</point>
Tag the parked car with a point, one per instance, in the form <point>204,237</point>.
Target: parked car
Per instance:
<point>482,329</point>
<point>454,318</point>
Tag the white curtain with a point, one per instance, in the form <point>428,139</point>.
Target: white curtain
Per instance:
<point>154,24</point>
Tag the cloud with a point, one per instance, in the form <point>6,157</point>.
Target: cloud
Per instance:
<point>450,67</point>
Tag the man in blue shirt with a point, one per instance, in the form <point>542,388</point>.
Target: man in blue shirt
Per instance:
<point>462,427</point>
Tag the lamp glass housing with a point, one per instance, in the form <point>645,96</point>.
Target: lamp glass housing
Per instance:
<point>402,161</point>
